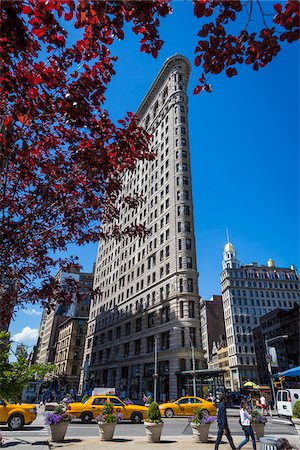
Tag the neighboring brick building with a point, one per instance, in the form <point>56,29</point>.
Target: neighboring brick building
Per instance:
<point>278,322</point>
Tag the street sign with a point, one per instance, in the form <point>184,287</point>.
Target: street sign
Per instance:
<point>269,358</point>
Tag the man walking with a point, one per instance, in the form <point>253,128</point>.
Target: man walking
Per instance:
<point>223,424</point>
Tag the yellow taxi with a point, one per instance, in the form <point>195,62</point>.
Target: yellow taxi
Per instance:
<point>185,406</point>
<point>93,406</point>
<point>16,415</point>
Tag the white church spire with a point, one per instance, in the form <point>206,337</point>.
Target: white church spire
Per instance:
<point>230,256</point>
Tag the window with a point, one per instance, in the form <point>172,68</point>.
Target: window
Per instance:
<point>151,321</point>
<point>190,285</point>
<point>188,244</point>
<point>126,349</point>
<point>185,181</point>
<point>150,344</point>
<point>127,328</point>
<point>181,310</point>
<point>186,210</point>
<point>179,244</point>
<point>189,262</point>
<point>191,309</point>
<point>180,262</point>
<point>165,341</point>
<point>138,324</point>
<point>180,285</point>
<point>137,347</point>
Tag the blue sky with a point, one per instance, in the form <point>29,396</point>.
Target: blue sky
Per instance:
<point>244,143</point>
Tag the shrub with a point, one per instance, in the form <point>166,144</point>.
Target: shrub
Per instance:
<point>108,416</point>
<point>296,409</point>
<point>149,400</point>
<point>202,418</point>
<point>153,414</point>
<point>58,415</point>
<point>257,417</point>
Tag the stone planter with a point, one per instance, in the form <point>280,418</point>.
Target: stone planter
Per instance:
<point>200,432</point>
<point>58,431</point>
<point>106,430</point>
<point>153,431</point>
<point>259,430</point>
<point>296,422</point>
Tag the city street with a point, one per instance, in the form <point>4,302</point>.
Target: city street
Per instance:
<point>175,427</point>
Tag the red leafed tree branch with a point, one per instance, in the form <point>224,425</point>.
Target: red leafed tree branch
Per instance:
<point>62,158</point>
<point>219,48</point>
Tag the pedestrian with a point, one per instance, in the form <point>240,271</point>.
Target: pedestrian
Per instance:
<point>283,444</point>
<point>245,421</point>
<point>223,427</point>
<point>263,403</point>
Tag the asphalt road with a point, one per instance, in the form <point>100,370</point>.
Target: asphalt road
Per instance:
<point>172,427</point>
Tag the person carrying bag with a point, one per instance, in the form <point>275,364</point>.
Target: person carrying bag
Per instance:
<point>245,422</point>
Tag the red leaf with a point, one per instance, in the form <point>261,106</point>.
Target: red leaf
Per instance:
<point>198,89</point>
<point>198,60</point>
<point>154,52</point>
<point>26,10</point>
<point>7,121</point>
<point>69,15</point>
<point>278,7</point>
<point>39,32</point>
<point>231,72</point>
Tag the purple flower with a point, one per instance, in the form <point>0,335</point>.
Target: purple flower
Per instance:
<point>53,419</point>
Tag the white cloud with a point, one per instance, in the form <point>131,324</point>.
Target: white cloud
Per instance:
<point>32,312</point>
<point>27,335</point>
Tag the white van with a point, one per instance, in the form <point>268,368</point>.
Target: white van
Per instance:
<point>286,398</point>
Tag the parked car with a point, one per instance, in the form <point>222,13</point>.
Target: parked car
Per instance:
<point>185,406</point>
<point>16,415</point>
<point>93,406</point>
<point>286,398</point>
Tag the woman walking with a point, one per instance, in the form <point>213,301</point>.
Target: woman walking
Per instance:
<point>245,420</point>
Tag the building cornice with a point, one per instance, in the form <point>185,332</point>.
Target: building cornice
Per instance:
<point>161,77</point>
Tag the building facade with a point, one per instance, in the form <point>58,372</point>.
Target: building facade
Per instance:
<point>249,292</point>
<point>150,303</point>
<point>282,328</point>
<point>69,352</point>
<point>50,322</point>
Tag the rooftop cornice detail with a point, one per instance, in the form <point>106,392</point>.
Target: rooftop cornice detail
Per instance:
<point>160,78</point>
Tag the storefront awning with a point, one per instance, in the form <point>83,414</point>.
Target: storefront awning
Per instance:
<point>203,372</point>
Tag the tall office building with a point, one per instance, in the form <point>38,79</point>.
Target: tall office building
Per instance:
<point>249,292</point>
<point>150,285</point>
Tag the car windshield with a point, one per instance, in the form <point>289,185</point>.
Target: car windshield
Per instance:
<point>84,401</point>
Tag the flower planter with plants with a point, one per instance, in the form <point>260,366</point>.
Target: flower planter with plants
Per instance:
<point>258,422</point>
<point>200,423</point>
<point>58,421</point>
<point>296,416</point>
<point>107,421</point>
<point>153,423</point>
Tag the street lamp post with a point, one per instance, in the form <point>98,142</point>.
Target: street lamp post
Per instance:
<point>193,361</point>
<point>267,341</point>
<point>155,376</point>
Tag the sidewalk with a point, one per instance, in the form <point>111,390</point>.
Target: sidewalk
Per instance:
<point>135,443</point>
<point>29,443</point>
<point>140,443</point>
